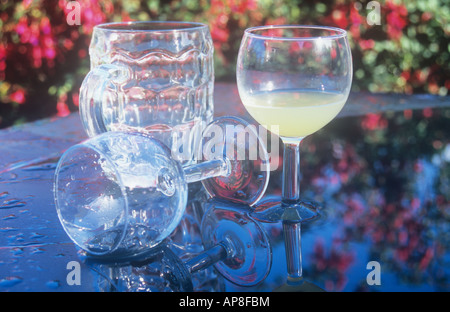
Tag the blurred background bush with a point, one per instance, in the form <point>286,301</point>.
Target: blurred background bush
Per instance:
<point>43,59</point>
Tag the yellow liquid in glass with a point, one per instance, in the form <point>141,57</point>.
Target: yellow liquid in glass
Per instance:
<point>297,113</point>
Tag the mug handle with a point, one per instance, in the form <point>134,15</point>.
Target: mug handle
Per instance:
<point>93,95</point>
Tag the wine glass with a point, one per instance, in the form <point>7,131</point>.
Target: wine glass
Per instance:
<point>119,193</point>
<point>296,78</point>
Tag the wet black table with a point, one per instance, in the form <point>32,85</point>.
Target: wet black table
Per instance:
<point>381,171</point>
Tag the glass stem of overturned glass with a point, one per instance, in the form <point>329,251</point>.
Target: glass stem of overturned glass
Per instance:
<point>207,169</point>
<point>207,258</point>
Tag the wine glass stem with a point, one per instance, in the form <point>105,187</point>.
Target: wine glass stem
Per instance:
<point>207,258</point>
<point>206,170</point>
<point>290,219</point>
<point>291,171</point>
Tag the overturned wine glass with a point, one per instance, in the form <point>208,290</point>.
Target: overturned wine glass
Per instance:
<point>119,193</point>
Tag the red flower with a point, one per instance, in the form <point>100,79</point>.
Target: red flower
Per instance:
<point>2,61</point>
<point>407,113</point>
<point>76,99</point>
<point>62,108</point>
<point>374,121</point>
<point>427,112</point>
<point>22,25</point>
<point>45,26</point>
<point>396,19</point>
<point>27,3</point>
<point>366,44</point>
<point>82,53</point>
<point>406,74</point>
<point>242,6</point>
<point>356,21</point>
<point>339,17</point>
<point>219,31</point>
<point>36,53</point>
<point>18,96</point>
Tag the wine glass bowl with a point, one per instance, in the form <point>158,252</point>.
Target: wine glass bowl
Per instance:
<point>295,77</point>
<point>118,193</point>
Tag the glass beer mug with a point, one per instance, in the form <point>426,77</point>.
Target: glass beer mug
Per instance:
<point>151,77</point>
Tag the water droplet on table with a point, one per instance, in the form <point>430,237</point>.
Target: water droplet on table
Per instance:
<point>53,284</point>
<point>12,203</point>
<point>9,217</point>
<point>10,281</point>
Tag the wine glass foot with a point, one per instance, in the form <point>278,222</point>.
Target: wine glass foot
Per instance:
<point>249,168</point>
<point>273,209</point>
<point>249,250</point>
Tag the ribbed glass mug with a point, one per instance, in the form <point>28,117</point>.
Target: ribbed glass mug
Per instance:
<point>152,77</point>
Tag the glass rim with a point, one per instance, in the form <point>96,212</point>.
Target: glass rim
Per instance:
<point>339,32</point>
<point>87,145</point>
<point>140,26</point>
